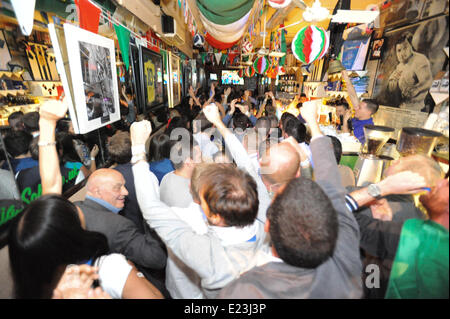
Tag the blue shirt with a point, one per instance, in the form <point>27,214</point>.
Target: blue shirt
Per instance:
<point>358,128</point>
<point>161,168</point>
<point>104,204</point>
<point>19,164</point>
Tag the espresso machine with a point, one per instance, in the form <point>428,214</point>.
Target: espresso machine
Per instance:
<point>370,164</point>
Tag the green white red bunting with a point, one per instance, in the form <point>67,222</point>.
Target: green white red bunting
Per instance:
<point>310,44</point>
<point>249,72</point>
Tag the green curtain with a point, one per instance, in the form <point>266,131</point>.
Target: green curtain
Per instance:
<point>224,11</point>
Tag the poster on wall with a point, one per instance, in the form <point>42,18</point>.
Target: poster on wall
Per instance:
<point>401,12</point>
<point>377,49</point>
<point>355,47</point>
<point>176,79</point>
<point>93,79</point>
<point>152,84</point>
<point>412,57</point>
<point>5,55</point>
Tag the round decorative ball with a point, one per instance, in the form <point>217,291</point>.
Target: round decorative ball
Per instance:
<point>310,43</point>
<point>247,47</point>
<point>199,41</point>
<point>249,72</point>
<point>261,65</point>
<point>278,4</point>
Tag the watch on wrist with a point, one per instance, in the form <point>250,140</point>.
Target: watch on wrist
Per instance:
<point>137,158</point>
<point>374,191</point>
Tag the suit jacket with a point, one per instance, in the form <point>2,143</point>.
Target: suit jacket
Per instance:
<point>338,277</point>
<point>123,236</point>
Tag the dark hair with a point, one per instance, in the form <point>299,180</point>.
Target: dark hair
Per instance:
<point>337,148</point>
<point>176,122</point>
<point>240,121</point>
<point>69,154</point>
<point>34,148</point>
<point>342,102</point>
<point>45,238</point>
<point>201,123</point>
<point>119,147</point>
<point>296,129</point>
<point>230,193</point>
<point>15,207</point>
<point>406,36</point>
<point>303,224</point>
<point>31,121</point>
<point>63,125</point>
<point>17,142</point>
<point>303,95</point>
<point>372,105</point>
<point>159,147</point>
<point>285,117</point>
<point>183,150</point>
<point>15,120</point>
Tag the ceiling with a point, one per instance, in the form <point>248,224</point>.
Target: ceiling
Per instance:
<point>295,15</point>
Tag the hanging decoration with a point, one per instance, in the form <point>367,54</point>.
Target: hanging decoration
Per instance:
<point>218,44</point>
<point>199,41</point>
<point>88,15</point>
<point>24,11</point>
<point>224,12</point>
<point>241,73</point>
<point>218,57</point>
<point>247,46</point>
<point>249,71</point>
<point>310,44</point>
<point>123,36</point>
<point>261,65</point>
<point>279,4</point>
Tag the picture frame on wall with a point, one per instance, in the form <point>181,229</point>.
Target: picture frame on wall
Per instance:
<point>377,49</point>
<point>434,7</point>
<point>93,77</point>
<point>151,67</point>
<point>355,47</point>
<point>404,79</point>
<point>136,76</point>
<point>5,54</point>
<point>401,12</point>
<point>175,78</point>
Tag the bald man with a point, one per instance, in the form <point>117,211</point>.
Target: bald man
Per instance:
<point>105,197</point>
<point>279,164</point>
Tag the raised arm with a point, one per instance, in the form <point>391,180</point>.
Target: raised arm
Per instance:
<point>350,89</point>
<point>240,156</point>
<point>49,113</point>
<point>405,182</point>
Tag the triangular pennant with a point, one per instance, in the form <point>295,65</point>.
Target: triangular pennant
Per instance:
<point>123,35</point>
<point>218,57</point>
<point>88,15</point>
<point>24,11</point>
<point>224,58</point>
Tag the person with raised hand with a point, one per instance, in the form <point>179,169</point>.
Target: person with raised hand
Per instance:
<point>235,241</point>
<point>315,239</point>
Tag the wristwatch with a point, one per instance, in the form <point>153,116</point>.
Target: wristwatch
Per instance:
<point>374,191</point>
<point>137,158</point>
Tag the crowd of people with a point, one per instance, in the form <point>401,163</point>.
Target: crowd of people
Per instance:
<point>228,199</point>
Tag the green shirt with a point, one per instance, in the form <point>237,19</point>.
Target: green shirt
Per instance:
<point>420,269</point>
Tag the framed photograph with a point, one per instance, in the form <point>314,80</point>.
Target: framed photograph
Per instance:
<point>377,49</point>
<point>5,55</point>
<point>136,77</point>
<point>152,84</point>
<point>175,77</point>
<point>355,47</point>
<point>401,12</point>
<point>412,57</point>
<point>434,7</point>
<point>93,73</point>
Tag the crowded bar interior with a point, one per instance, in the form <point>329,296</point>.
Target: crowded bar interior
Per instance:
<point>224,149</point>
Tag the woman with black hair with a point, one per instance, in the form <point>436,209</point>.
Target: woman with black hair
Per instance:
<point>159,155</point>
<point>46,238</point>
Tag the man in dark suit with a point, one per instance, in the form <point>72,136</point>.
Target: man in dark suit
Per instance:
<point>105,198</point>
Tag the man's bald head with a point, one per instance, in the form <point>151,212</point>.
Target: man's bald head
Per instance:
<point>109,185</point>
<point>279,164</point>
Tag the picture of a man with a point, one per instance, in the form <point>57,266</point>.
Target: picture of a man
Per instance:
<point>412,77</point>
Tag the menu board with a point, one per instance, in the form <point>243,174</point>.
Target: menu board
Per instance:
<point>399,118</point>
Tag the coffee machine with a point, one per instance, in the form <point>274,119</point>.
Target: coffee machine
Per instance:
<point>416,140</point>
<point>370,164</point>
